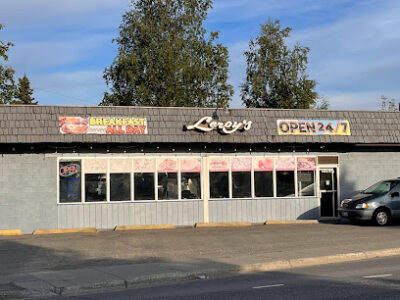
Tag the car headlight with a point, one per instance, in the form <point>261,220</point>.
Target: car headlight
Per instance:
<point>362,205</point>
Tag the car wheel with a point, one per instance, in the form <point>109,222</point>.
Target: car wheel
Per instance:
<point>381,217</point>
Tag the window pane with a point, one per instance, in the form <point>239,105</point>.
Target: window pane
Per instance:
<point>241,184</point>
<point>190,186</point>
<point>219,185</point>
<point>305,183</point>
<point>144,186</point>
<point>264,184</point>
<point>120,187</point>
<point>167,186</point>
<point>285,183</point>
<point>70,181</point>
<point>95,187</point>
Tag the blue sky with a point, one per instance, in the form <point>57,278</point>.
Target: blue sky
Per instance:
<point>64,45</point>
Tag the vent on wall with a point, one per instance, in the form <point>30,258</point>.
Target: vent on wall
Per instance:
<point>328,160</point>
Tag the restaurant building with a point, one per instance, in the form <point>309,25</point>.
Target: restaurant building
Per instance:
<point>68,167</point>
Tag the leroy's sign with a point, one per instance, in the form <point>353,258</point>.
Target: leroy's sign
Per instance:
<point>207,124</point>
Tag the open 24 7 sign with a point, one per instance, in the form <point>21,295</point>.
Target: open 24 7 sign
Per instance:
<point>313,127</point>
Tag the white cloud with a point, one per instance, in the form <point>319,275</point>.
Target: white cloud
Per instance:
<point>17,13</point>
<point>354,60</point>
<point>239,10</point>
<point>34,56</point>
<point>359,100</point>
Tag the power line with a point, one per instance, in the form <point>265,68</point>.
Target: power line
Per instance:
<point>63,95</point>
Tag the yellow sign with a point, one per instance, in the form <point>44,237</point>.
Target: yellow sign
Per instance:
<point>102,125</point>
<point>313,127</point>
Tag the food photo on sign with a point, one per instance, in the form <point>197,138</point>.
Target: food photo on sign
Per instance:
<point>102,125</point>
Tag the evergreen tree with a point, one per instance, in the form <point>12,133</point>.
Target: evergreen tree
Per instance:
<point>24,92</point>
<point>276,75</point>
<point>166,57</point>
<point>7,83</point>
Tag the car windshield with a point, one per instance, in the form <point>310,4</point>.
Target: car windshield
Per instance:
<point>380,187</point>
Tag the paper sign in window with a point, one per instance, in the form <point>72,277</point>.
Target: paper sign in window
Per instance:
<point>241,164</point>
<point>143,165</point>
<point>190,165</point>
<point>263,164</point>
<point>284,164</point>
<point>120,165</point>
<point>305,164</point>
<point>219,165</point>
<point>167,165</point>
<point>95,166</point>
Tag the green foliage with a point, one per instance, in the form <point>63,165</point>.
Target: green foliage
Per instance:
<point>10,93</point>
<point>7,83</point>
<point>320,103</point>
<point>276,75</point>
<point>4,46</point>
<point>388,104</point>
<point>24,92</point>
<point>166,58</point>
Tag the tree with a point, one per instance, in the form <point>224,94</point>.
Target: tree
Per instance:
<point>388,104</point>
<point>166,58</point>
<point>276,75</point>
<point>24,92</point>
<point>320,103</point>
<point>7,83</point>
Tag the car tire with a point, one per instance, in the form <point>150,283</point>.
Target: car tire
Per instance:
<point>381,217</point>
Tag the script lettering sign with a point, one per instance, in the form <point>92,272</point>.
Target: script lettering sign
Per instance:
<point>207,124</point>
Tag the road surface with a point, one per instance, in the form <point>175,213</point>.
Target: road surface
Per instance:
<point>367,279</point>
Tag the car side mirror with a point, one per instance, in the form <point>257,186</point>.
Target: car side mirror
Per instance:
<point>394,194</point>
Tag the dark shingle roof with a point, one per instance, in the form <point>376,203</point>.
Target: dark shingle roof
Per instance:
<point>39,124</point>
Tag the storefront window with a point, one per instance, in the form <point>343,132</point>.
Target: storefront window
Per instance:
<point>305,183</point>
<point>306,176</point>
<point>190,186</point>
<point>190,178</point>
<point>241,177</point>
<point>264,184</point>
<point>70,181</point>
<point>219,177</point>
<point>285,167</point>
<point>219,185</point>
<point>241,184</point>
<point>167,186</point>
<point>285,183</point>
<point>144,186</point>
<point>120,187</point>
<point>263,176</point>
<point>95,187</point>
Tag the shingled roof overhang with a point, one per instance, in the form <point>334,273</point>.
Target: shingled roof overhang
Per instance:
<point>39,124</point>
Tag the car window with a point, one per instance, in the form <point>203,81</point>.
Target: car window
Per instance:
<point>380,187</point>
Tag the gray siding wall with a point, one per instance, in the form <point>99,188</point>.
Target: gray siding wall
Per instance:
<point>109,215</point>
<point>260,210</point>
<point>360,170</point>
<point>28,192</point>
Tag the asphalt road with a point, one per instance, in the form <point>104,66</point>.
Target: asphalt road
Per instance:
<point>368,279</point>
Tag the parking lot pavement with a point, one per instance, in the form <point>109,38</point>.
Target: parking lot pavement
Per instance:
<point>61,264</point>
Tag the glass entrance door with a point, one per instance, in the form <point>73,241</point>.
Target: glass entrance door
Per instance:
<point>328,192</point>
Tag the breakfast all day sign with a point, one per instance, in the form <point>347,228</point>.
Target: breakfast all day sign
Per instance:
<point>102,125</point>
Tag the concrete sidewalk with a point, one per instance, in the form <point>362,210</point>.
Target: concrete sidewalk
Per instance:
<point>33,266</point>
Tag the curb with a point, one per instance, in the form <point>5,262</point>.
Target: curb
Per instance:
<point>9,232</point>
<point>228,224</point>
<point>319,260</point>
<point>290,222</point>
<point>67,230</point>
<point>173,276</point>
<point>143,227</point>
